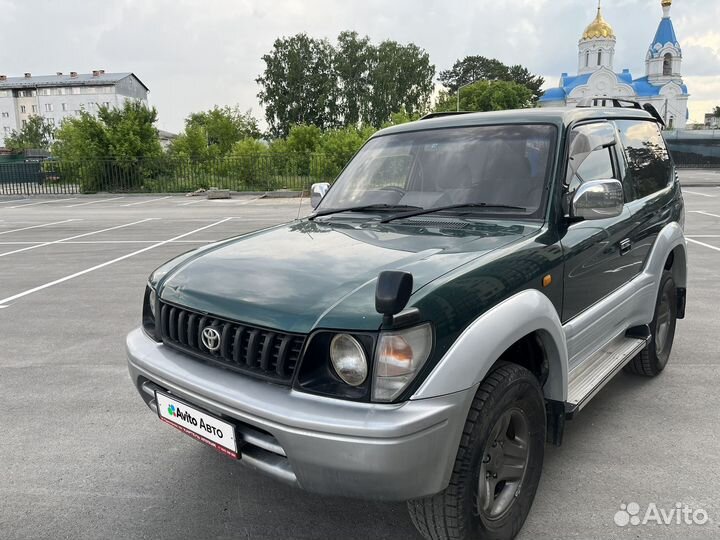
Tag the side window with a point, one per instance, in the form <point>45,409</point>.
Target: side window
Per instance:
<point>597,166</point>
<point>649,165</point>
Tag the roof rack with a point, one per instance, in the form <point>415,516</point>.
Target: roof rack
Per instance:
<point>441,114</point>
<point>614,102</point>
<point>622,104</point>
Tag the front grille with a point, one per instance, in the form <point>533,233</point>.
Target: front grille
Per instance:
<point>256,351</point>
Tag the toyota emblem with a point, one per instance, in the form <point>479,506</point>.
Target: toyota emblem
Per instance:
<point>211,339</point>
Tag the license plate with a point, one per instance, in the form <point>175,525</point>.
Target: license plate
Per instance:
<point>199,425</point>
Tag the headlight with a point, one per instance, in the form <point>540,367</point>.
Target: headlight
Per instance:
<point>349,360</point>
<point>148,312</point>
<point>152,300</point>
<point>400,356</point>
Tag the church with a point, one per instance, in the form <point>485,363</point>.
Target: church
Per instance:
<point>662,86</point>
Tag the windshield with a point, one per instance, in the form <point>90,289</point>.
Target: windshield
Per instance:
<point>498,169</point>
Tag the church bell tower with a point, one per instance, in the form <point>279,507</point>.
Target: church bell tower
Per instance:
<point>596,48</point>
<point>663,62</point>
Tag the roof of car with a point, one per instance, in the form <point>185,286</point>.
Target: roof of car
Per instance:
<point>549,115</point>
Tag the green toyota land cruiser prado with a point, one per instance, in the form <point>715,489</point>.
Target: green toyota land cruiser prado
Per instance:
<point>466,285</point>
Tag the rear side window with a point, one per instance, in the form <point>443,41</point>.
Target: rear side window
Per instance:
<point>649,167</point>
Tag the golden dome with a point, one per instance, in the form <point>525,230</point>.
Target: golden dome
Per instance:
<point>599,28</point>
<point>666,3</point>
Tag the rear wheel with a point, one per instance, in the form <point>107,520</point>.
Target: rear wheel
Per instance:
<point>498,465</point>
<point>654,357</point>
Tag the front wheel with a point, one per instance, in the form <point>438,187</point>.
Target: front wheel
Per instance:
<point>498,465</point>
<point>654,357</point>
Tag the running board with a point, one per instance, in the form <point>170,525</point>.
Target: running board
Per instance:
<point>588,378</point>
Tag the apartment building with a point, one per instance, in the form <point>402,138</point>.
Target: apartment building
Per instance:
<point>58,96</point>
<point>712,121</point>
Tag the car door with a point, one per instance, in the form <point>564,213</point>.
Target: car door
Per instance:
<point>595,262</point>
<point>647,173</point>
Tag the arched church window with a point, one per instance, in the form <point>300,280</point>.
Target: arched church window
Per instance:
<point>600,58</point>
<point>587,58</point>
<point>667,64</point>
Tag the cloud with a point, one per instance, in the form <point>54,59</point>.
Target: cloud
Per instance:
<point>197,53</point>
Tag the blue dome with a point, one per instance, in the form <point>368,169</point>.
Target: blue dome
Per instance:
<point>553,94</point>
<point>644,89</point>
<point>642,86</point>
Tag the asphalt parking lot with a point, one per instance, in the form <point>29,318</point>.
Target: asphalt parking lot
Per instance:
<point>82,457</point>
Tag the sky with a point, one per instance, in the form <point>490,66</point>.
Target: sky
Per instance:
<point>194,54</point>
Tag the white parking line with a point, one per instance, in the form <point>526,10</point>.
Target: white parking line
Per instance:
<point>74,237</point>
<point>227,202</point>
<point>4,301</point>
<point>42,202</point>
<point>94,202</point>
<point>704,213</point>
<point>39,226</point>
<point>688,239</point>
<point>110,242</point>
<point>145,202</point>
<point>697,193</point>
<point>13,200</point>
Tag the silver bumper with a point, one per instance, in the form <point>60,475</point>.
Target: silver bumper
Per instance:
<point>323,445</point>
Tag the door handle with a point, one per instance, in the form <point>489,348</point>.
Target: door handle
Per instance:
<point>625,246</point>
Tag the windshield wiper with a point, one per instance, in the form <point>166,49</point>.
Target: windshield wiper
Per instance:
<point>449,207</point>
<point>364,208</point>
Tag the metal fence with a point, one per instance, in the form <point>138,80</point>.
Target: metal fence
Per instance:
<point>261,172</point>
<point>697,149</point>
<point>252,172</point>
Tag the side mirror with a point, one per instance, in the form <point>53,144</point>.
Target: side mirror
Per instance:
<point>597,199</point>
<point>392,293</point>
<point>586,139</point>
<point>317,192</point>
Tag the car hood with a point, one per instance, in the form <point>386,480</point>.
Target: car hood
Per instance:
<point>312,274</point>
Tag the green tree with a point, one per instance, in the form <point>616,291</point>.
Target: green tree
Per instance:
<point>36,134</point>
<point>223,127</point>
<point>400,80</point>
<point>299,84</point>
<point>401,117</point>
<point>716,112</point>
<point>480,68</point>
<point>352,66</point>
<point>249,147</point>
<point>338,146</point>
<point>303,139</point>
<point>81,138</point>
<point>192,144</point>
<point>308,81</point>
<point>301,143</point>
<point>130,131</point>
<point>487,96</point>
<point>117,149</point>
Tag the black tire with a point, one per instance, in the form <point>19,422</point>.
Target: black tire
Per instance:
<point>654,357</point>
<point>509,390</point>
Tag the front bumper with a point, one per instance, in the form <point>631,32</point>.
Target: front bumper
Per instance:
<point>328,446</point>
